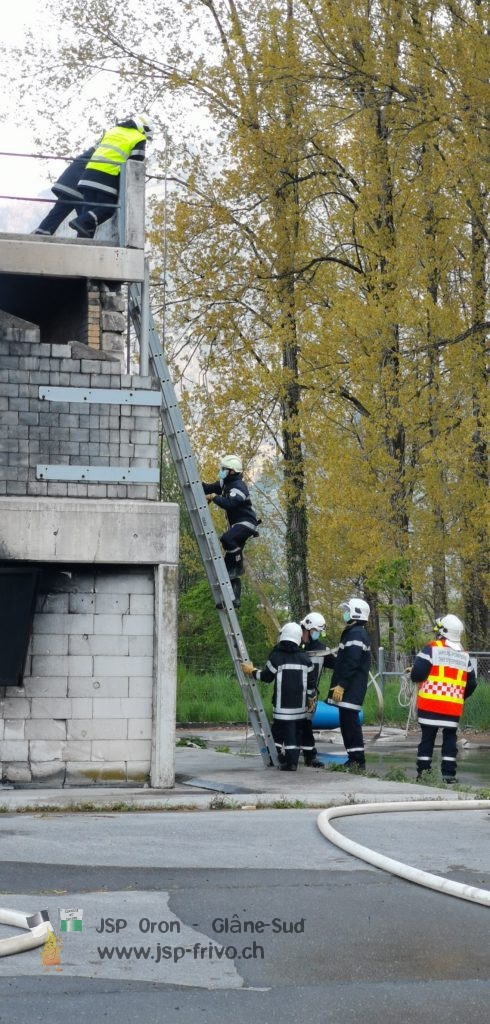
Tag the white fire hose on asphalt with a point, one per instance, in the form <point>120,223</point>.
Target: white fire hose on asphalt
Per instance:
<point>19,943</point>
<point>396,867</point>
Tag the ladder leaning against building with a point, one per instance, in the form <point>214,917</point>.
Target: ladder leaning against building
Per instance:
<point>202,524</point>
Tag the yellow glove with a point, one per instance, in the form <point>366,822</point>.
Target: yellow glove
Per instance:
<point>248,668</point>
<point>337,693</point>
<point>209,498</point>
<point>311,705</point>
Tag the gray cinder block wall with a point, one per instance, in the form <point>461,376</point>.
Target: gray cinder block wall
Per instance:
<point>97,704</point>
<point>84,714</point>
<point>34,431</point>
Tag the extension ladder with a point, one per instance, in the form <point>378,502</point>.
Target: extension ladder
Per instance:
<point>201,521</point>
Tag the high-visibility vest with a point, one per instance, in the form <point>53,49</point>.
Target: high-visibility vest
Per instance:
<point>114,149</point>
<point>442,694</point>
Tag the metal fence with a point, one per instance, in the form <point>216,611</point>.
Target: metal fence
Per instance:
<point>396,664</point>
<point>481,663</point>
<point>384,679</point>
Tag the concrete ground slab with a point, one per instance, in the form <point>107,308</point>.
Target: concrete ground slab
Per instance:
<point>207,778</point>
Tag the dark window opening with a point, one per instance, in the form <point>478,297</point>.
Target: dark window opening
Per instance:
<point>18,589</point>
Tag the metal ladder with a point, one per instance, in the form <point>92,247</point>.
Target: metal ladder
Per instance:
<point>201,521</point>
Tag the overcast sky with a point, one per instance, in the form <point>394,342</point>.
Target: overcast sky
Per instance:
<point>19,177</point>
<point>24,177</point>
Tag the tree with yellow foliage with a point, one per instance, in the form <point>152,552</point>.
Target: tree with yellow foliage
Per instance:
<point>327,254</point>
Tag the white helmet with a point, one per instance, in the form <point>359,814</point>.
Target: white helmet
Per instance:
<point>355,610</point>
<point>144,124</point>
<point>232,462</point>
<point>313,621</point>
<point>451,628</point>
<point>291,631</point>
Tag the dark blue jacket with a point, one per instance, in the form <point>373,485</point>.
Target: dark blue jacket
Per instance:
<point>232,495</point>
<point>293,676</point>
<point>317,652</point>
<point>351,665</point>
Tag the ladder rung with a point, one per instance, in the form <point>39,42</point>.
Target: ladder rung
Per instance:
<point>202,525</point>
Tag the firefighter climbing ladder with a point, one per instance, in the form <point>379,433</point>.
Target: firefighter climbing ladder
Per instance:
<point>202,524</point>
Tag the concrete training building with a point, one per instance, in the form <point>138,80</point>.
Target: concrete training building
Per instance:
<point>88,552</point>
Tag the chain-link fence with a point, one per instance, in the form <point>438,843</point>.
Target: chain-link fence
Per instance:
<point>391,696</point>
<point>481,664</point>
<point>209,692</point>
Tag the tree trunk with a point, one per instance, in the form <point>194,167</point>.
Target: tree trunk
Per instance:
<point>476,569</point>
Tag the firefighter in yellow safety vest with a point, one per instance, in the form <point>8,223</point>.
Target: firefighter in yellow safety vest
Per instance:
<point>445,678</point>
<point>99,182</point>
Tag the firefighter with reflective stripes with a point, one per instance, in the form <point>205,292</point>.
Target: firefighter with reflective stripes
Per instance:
<point>68,196</point>
<point>230,493</point>
<point>100,179</point>
<point>350,677</point>
<point>445,678</point>
<point>294,678</point>
<point>312,627</point>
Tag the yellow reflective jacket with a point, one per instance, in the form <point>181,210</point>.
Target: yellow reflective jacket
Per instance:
<point>114,149</point>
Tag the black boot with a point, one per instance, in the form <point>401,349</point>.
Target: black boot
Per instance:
<point>236,585</point>
<point>80,228</point>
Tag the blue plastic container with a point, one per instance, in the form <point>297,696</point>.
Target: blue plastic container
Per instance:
<point>327,716</point>
<point>332,758</point>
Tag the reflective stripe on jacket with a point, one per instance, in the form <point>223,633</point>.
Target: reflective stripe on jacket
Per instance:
<point>66,185</point>
<point>293,676</point>
<point>233,496</point>
<point>440,699</point>
<point>114,149</point>
<point>351,666</point>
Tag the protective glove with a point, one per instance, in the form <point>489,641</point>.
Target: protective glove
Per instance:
<point>311,705</point>
<point>337,693</point>
<point>209,498</point>
<point>248,668</point>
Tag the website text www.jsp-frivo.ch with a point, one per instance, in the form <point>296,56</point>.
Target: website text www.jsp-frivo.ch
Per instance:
<point>176,953</point>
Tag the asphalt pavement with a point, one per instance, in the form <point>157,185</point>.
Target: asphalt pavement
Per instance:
<point>243,909</point>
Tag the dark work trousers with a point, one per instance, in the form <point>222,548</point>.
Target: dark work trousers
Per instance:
<point>449,751</point>
<point>307,743</point>
<point>287,737</point>
<point>351,730</point>
<point>233,541</point>
<point>57,215</point>
<point>91,215</point>
<point>67,194</point>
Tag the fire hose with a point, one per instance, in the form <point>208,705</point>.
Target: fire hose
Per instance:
<point>19,943</point>
<point>396,867</point>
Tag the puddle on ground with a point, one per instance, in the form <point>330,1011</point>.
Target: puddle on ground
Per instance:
<point>473,764</point>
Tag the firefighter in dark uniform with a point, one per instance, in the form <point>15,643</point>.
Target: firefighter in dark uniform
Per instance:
<point>445,678</point>
<point>312,627</point>
<point>230,493</point>
<point>350,678</point>
<point>68,195</point>
<point>293,675</point>
<point>100,179</point>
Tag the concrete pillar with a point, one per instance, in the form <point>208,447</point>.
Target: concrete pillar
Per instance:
<point>162,771</point>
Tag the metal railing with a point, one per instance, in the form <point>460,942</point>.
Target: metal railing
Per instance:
<point>119,208</point>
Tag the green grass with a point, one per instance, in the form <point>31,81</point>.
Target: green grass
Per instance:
<point>216,697</point>
<point>192,741</point>
<point>213,697</point>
